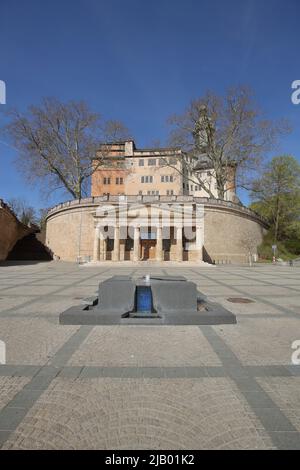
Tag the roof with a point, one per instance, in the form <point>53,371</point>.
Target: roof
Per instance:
<point>158,149</point>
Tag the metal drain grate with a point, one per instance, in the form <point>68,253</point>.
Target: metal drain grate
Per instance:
<point>240,300</point>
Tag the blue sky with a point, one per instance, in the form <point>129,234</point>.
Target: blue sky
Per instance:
<point>140,61</point>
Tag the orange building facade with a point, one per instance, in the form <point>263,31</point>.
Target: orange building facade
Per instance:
<point>122,169</point>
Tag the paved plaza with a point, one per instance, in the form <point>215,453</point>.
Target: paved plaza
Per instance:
<point>149,387</point>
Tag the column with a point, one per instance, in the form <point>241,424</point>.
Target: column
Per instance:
<point>199,231</point>
<point>116,252</point>
<point>136,244</point>
<point>102,246</point>
<point>179,248</point>
<point>123,237</point>
<point>159,244</point>
<point>199,244</point>
<point>96,251</point>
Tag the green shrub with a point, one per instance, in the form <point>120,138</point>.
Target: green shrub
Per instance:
<point>283,251</point>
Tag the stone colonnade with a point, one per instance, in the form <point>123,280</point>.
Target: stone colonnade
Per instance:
<point>100,244</point>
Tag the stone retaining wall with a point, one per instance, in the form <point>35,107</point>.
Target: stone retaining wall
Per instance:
<point>230,230</point>
<point>11,230</point>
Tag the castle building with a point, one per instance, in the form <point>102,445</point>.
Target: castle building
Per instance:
<point>148,205</point>
<point>121,169</point>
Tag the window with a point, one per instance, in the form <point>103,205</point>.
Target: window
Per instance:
<point>146,179</point>
<point>141,162</point>
<point>162,162</point>
<point>121,180</point>
<point>166,179</point>
<point>106,180</point>
<point>140,193</point>
<point>152,162</point>
<point>117,180</point>
<point>170,192</point>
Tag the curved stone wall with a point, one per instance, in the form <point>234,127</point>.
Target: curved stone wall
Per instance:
<point>230,230</point>
<point>70,233</point>
<point>229,234</point>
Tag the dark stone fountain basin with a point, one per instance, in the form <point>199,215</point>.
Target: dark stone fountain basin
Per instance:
<point>164,300</point>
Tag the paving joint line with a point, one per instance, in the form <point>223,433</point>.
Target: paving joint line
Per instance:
<point>270,283</point>
<point>280,429</point>
<point>32,301</point>
<point>16,409</point>
<point>288,312</point>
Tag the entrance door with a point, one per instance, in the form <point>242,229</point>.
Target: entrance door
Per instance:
<point>148,249</point>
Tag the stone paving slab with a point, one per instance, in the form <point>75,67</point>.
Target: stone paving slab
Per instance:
<point>222,387</point>
<point>138,346</point>
<point>8,301</point>
<point>132,413</point>
<point>9,387</point>
<point>32,340</point>
<point>46,305</point>
<point>285,392</point>
<point>264,343</point>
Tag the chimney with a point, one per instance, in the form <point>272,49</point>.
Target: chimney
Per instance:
<point>129,146</point>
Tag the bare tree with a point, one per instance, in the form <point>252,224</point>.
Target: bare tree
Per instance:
<point>24,212</point>
<point>225,135</point>
<point>58,141</point>
<point>250,246</point>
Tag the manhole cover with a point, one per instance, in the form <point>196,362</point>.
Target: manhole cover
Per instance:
<point>240,300</point>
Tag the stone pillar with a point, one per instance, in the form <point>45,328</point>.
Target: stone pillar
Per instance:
<point>122,236</point>
<point>179,248</point>
<point>136,244</point>
<point>199,244</point>
<point>159,244</point>
<point>96,252</point>
<point>199,231</point>
<point>102,246</point>
<point>116,252</point>
<point>122,249</point>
